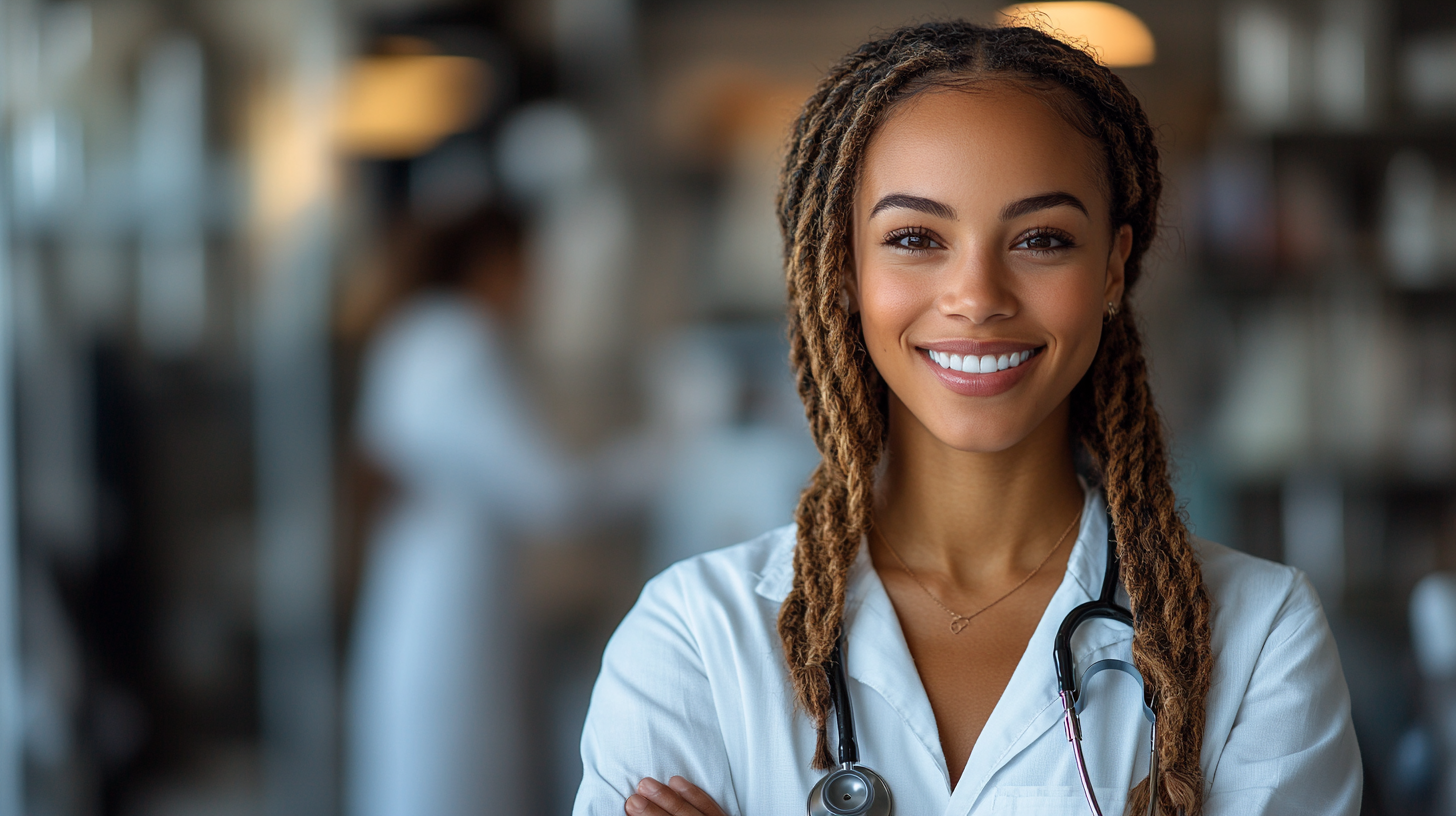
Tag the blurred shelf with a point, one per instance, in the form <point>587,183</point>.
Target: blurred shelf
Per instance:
<point>1437,136</point>
<point>1232,280</point>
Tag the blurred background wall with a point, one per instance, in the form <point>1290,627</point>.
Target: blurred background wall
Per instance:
<point>216,214</point>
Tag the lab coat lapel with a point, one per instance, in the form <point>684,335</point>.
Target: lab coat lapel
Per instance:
<point>1029,706</point>
<point>878,656</point>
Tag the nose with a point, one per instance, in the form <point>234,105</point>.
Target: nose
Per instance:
<point>977,290</point>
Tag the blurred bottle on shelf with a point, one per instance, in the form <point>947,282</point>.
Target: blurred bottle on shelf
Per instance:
<point>1262,425</point>
<point>1428,434</point>
<point>1347,55</point>
<point>1312,223</point>
<point>1412,220</point>
<point>1428,75</point>
<point>1240,210</point>
<point>1311,382</point>
<point>1433,634</point>
<point>1284,69</point>
<point>1265,67</point>
<point>1314,531</point>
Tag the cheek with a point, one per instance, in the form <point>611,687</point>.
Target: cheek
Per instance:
<point>890,300</point>
<point>1070,308</point>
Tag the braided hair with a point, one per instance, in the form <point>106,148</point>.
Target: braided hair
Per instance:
<point>1112,412</point>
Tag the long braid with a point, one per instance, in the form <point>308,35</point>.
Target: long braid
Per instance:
<point>1113,413</point>
<point>1120,428</point>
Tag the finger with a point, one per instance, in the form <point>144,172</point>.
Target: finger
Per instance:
<point>666,798</point>
<point>694,796</point>
<point>639,805</point>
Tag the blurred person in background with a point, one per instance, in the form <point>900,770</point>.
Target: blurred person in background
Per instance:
<point>433,723</point>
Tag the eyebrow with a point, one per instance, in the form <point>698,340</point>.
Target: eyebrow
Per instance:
<point>913,202</point>
<point>1015,209</point>
<point>1026,206</point>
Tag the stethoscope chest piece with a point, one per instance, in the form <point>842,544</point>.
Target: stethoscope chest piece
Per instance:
<point>850,790</point>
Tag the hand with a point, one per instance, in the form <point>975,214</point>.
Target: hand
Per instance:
<point>678,797</point>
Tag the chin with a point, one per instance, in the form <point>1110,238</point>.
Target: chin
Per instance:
<point>980,437</point>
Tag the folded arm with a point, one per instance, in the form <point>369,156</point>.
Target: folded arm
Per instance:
<point>653,717</point>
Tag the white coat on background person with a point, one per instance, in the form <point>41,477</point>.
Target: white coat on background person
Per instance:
<point>434,713</point>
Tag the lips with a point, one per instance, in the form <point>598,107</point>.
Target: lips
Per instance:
<point>980,369</point>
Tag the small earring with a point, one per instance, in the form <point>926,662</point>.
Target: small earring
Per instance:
<point>1112,311</point>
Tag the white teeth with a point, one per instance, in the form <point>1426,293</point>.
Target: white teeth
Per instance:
<point>985,364</point>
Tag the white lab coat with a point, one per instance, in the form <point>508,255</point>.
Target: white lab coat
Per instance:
<point>694,683</point>
<point>434,705</point>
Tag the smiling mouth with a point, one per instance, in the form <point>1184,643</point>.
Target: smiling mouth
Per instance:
<point>984,364</point>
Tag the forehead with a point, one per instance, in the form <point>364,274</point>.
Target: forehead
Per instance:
<point>980,148</point>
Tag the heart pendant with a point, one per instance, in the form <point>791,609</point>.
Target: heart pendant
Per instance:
<point>958,624</point>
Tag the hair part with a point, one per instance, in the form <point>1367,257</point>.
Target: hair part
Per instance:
<point>1113,417</point>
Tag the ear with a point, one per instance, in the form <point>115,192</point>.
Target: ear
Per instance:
<point>1116,279</point>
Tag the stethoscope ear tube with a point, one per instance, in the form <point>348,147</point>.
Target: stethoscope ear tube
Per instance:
<point>1070,689</point>
<point>851,789</point>
<point>1072,705</point>
<point>843,710</point>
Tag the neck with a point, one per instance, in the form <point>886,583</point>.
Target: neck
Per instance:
<point>976,516</point>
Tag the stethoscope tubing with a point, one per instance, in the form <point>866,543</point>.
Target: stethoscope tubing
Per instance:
<point>1073,725</point>
<point>866,790</point>
<point>878,802</point>
<point>1070,689</point>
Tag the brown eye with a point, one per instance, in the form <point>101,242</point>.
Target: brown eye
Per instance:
<point>1043,241</point>
<point>914,241</point>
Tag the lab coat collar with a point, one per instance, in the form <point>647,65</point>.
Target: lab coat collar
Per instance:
<point>878,657</point>
<point>778,573</point>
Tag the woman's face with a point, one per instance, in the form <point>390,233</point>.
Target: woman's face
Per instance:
<point>984,258</point>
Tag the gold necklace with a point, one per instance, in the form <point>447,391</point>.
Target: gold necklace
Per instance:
<point>959,622</point>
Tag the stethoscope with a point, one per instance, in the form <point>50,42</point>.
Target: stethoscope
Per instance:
<point>855,790</point>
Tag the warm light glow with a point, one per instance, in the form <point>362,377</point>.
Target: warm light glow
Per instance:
<point>1112,34</point>
<point>402,105</point>
<point>292,166</point>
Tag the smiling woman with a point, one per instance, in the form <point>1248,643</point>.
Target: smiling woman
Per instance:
<point>964,209</point>
<point>982,259</point>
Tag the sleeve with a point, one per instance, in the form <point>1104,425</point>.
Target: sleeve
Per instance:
<point>652,710</point>
<point>1292,747</point>
<point>501,448</point>
<point>442,410</point>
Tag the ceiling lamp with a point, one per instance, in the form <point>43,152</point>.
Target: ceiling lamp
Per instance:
<point>1112,34</point>
<point>401,105</point>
